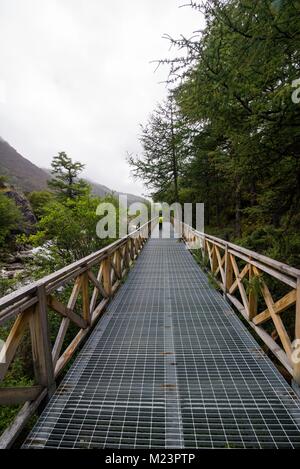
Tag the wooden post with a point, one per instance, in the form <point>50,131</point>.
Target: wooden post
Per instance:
<point>297,333</point>
<point>86,298</point>
<point>127,253</point>
<point>228,271</point>
<point>41,344</point>
<point>107,276</point>
<point>140,242</point>
<point>252,296</point>
<point>214,259</point>
<point>132,248</point>
<point>118,263</point>
<point>203,247</point>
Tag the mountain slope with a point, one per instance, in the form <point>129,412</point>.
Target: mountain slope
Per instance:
<point>101,191</point>
<point>28,177</point>
<point>21,172</point>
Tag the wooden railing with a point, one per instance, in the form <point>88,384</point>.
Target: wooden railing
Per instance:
<point>247,280</point>
<point>91,282</point>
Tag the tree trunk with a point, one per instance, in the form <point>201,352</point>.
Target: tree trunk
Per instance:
<point>238,230</point>
<point>174,159</point>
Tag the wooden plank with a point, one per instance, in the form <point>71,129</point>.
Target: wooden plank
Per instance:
<point>268,270</point>
<point>41,345</point>
<point>15,396</point>
<point>67,278</point>
<point>266,338</point>
<point>220,267</point>
<point>99,310</point>
<point>296,365</point>
<point>69,352</point>
<point>72,347</point>
<point>242,274</point>
<point>279,266</point>
<point>252,297</point>
<point>228,271</point>
<point>12,342</point>
<point>118,266</point>
<point>64,326</point>
<point>85,300</point>
<point>115,269</point>
<point>96,289</point>
<point>252,255</point>
<point>209,255</point>
<point>240,284</point>
<point>281,305</point>
<point>214,259</point>
<point>17,308</point>
<point>107,277</point>
<point>132,249</point>
<point>66,312</point>
<point>97,283</point>
<point>285,340</point>
<point>65,322</point>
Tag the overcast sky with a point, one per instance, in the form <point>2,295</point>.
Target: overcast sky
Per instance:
<point>76,76</point>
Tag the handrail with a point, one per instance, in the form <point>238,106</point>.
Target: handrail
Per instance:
<point>29,307</point>
<point>243,276</point>
<point>90,260</point>
<point>268,261</point>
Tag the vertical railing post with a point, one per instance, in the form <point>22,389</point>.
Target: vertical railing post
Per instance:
<point>252,299</point>
<point>214,259</point>
<point>228,271</point>
<point>127,253</point>
<point>86,298</point>
<point>132,248</point>
<point>118,263</point>
<point>296,366</point>
<point>203,247</point>
<point>41,343</point>
<point>107,276</point>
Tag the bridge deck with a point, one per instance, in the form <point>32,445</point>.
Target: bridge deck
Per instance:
<point>170,366</point>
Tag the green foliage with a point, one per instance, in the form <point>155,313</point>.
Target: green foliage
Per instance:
<point>69,229</point>
<point>3,180</point>
<point>10,218</point>
<point>17,376</point>
<point>254,285</point>
<point>164,152</point>
<point>65,232</point>
<point>239,126</point>
<point>65,182</point>
<point>7,284</point>
<point>39,201</point>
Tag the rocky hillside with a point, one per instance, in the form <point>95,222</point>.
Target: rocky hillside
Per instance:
<point>29,219</point>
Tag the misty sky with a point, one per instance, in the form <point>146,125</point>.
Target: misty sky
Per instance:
<point>75,76</point>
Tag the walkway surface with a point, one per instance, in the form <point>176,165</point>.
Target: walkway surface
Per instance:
<point>170,365</point>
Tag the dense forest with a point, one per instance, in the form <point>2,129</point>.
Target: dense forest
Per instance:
<point>229,133</point>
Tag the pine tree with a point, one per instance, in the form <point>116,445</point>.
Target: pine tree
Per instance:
<point>164,152</point>
<point>65,182</point>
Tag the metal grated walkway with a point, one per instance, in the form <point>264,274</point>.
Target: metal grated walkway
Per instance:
<point>170,366</point>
